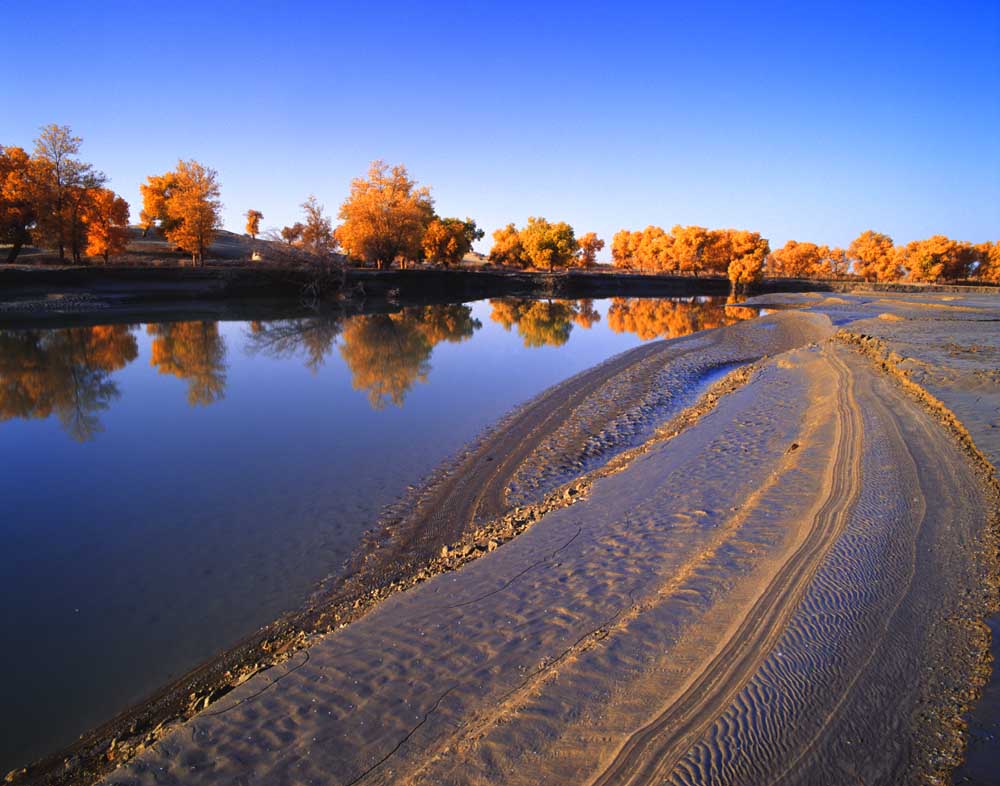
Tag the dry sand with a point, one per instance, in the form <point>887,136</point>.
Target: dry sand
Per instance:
<point>781,581</point>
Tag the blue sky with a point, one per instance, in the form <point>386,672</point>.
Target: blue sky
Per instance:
<point>811,121</point>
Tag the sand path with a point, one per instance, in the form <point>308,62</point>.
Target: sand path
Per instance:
<point>759,598</point>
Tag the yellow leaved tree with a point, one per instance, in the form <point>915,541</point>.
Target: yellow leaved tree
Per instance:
<point>106,219</point>
<point>385,216</point>
<point>185,203</point>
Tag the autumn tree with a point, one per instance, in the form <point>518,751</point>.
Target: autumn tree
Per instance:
<point>64,184</point>
<point>748,251</point>
<point>317,235</point>
<point>623,249</point>
<point>689,245</point>
<point>875,257</point>
<point>293,234</point>
<point>186,205</point>
<point>548,244</point>
<point>106,219</point>
<point>833,262</point>
<point>385,216</point>
<point>508,250</point>
<point>18,199</point>
<point>989,262</point>
<point>254,218</point>
<point>794,259</point>
<point>938,258</point>
<point>154,202</point>
<point>448,240</point>
<point>590,245</point>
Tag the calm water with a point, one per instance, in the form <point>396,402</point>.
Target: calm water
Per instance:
<point>170,487</point>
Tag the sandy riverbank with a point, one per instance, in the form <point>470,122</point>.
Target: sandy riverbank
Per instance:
<point>772,574</point>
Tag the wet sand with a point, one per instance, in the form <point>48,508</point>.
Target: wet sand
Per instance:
<point>775,574</point>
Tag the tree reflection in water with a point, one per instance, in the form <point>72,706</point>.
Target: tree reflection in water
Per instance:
<point>194,352</point>
<point>285,338</point>
<point>66,372</point>
<point>544,322</point>
<point>650,318</point>
<point>386,353</point>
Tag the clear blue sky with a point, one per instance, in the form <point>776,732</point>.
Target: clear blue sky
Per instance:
<point>801,120</point>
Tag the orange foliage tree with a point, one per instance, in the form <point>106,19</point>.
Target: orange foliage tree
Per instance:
<point>448,240</point>
<point>254,217</point>
<point>748,250</point>
<point>186,204</point>
<point>385,216</point>
<point>63,185</point>
<point>507,248</point>
<point>548,244</point>
<point>938,258</point>
<point>590,245</point>
<point>18,202</point>
<point>989,262</point>
<point>689,245</point>
<point>795,260</point>
<point>106,219</point>
<point>875,257</point>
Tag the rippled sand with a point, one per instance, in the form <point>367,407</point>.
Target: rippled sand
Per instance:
<point>780,582</point>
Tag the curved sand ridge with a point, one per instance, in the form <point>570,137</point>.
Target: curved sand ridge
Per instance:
<point>763,597</point>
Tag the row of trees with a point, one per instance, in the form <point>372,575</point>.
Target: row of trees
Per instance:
<point>544,244</point>
<point>387,218</point>
<point>692,250</point>
<point>50,198</point>
<point>874,256</point>
<point>53,199</point>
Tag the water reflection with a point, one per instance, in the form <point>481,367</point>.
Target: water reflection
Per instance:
<point>194,352</point>
<point>544,322</point>
<point>388,353</point>
<point>66,372</point>
<point>313,337</point>
<point>650,318</point>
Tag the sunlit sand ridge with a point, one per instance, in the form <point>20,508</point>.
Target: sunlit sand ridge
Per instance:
<point>787,590</point>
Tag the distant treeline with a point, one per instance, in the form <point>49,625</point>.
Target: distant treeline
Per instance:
<point>53,200</point>
<point>872,256</point>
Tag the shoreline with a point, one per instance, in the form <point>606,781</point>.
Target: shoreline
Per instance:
<point>31,295</point>
<point>407,547</point>
<point>476,521</point>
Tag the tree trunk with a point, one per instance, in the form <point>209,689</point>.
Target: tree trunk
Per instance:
<point>14,251</point>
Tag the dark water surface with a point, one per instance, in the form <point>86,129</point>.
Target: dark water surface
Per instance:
<point>167,488</point>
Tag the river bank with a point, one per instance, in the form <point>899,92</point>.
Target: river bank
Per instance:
<point>658,501</point>
<point>50,293</point>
